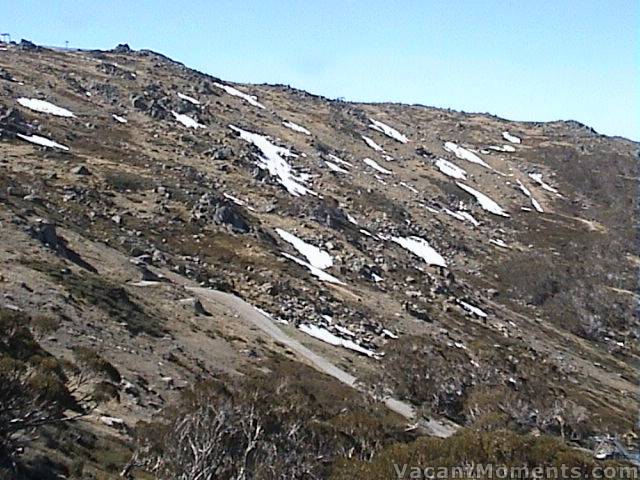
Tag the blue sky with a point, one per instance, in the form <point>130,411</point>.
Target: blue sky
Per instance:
<point>520,59</point>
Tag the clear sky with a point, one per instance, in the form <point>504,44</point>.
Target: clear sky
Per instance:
<point>519,59</point>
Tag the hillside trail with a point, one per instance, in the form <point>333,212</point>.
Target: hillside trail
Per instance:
<point>250,314</point>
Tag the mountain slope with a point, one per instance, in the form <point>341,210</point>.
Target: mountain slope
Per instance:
<point>481,270</point>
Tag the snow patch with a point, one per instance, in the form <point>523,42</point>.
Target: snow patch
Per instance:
<point>334,167</point>
<point>537,177</point>
<point>451,169</point>
<point>484,201</point>
<point>316,257</point>
<point>420,247</point>
<point>375,166</point>
<point>119,119</point>
<point>271,159</point>
<point>186,120</point>
<point>473,309</point>
<point>340,161</point>
<point>465,154</point>
<point>188,98</point>
<point>499,242</point>
<point>42,141</point>
<point>372,144</point>
<point>328,337</point>
<point>503,148</point>
<point>43,106</point>
<point>388,131</point>
<point>296,127</point>
<point>409,187</point>
<point>322,275</point>
<point>511,138</point>
<point>526,191</point>
<point>238,202</point>
<point>251,99</point>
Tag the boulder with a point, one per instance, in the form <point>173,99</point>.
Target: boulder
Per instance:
<point>122,48</point>
<point>229,215</point>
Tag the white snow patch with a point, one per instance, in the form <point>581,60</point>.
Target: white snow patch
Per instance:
<point>473,309</point>
<point>119,119</point>
<point>372,144</point>
<point>465,154</point>
<point>388,131</point>
<point>375,166</point>
<point>511,138</point>
<point>340,161</point>
<point>470,218</point>
<point>328,337</point>
<point>239,202</point>
<point>484,201</point>
<point>43,106</point>
<point>365,232</point>
<point>296,127</point>
<point>351,218</point>
<point>251,99</point>
<point>322,275</point>
<point>431,209</point>
<point>271,159</point>
<point>376,278</point>
<point>186,120</point>
<point>316,257</point>
<point>526,191</point>
<point>455,215</point>
<point>420,247</point>
<point>334,167</point>
<point>390,334</point>
<point>503,148</point>
<point>380,180</point>
<point>188,98</point>
<point>409,187</point>
<point>499,242</point>
<point>451,169</point>
<point>537,177</point>
<point>42,141</point>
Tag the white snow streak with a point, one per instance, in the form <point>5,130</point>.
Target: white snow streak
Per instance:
<point>499,243</point>
<point>328,337</point>
<point>526,191</point>
<point>537,177</point>
<point>465,154</point>
<point>253,100</point>
<point>503,148</point>
<point>340,161</point>
<point>409,187</point>
<point>335,168</point>
<point>375,166</point>
<point>451,169</point>
<point>511,138</point>
<point>484,201</point>
<point>188,98</point>
<point>43,106</point>
<point>186,120</point>
<point>42,141</point>
<point>420,247</point>
<point>372,144</point>
<point>323,276</point>
<point>296,127</point>
<point>388,131</point>
<point>119,119</point>
<point>271,159</point>
<point>316,257</point>
<point>473,309</point>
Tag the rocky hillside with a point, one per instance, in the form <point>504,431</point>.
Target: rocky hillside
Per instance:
<point>426,269</point>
